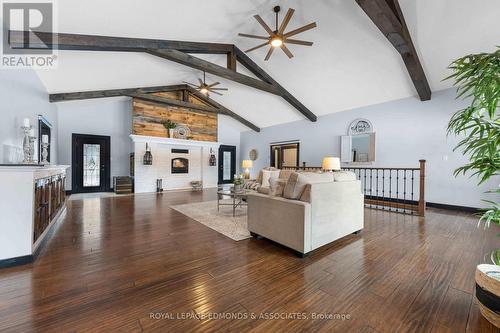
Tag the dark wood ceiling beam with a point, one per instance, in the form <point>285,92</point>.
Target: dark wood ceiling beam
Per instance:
<point>176,51</point>
<point>175,102</point>
<point>142,93</point>
<point>73,96</point>
<point>231,60</point>
<point>221,107</point>
<point>261,74</point>
<point>63,41</point>
<point>389,19</point>
<point>203,65</point>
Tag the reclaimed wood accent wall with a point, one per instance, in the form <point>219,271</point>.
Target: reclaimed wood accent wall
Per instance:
<point>148,118</point>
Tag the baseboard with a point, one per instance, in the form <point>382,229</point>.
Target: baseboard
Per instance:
<point>452,207</point>
<point>69,192</point>
<point>11,262</point>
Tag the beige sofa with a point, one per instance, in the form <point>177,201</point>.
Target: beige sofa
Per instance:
<point>331,210</point>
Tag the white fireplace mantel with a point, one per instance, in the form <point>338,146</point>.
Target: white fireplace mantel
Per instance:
<point>197,153</point>
<point>173,142</point>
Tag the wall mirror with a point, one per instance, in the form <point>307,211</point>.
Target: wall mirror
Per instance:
<point>358,146</point>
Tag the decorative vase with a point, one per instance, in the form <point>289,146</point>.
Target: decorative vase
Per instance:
<point>171,133</point>
<point>488,292</point>
<point>238,187</point>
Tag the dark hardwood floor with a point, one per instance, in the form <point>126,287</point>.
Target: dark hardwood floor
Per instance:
<point>115,262</point>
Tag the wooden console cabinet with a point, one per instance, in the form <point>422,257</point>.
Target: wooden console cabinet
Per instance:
<point>32,198</point>
<point>50,196</point>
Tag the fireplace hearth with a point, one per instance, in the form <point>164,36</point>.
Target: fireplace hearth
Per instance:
<point>180,165</point>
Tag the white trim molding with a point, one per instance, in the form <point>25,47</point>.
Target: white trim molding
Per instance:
<point>173,142</point>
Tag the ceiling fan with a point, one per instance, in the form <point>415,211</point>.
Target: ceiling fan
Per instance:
<point>205,88</point>
<point>278,37</point>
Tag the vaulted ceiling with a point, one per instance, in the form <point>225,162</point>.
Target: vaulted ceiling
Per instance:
<point>351,64</point>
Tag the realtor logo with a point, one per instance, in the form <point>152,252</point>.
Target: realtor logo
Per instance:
<point>22,45</point>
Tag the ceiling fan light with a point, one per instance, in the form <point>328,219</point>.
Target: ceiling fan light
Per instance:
<point>204,91</point>
<point>276,42</point>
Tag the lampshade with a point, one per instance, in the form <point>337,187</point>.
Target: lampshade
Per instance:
<point>245,164</point>
<point>331,163</point>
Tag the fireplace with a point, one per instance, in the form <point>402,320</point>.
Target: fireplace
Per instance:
<point>180,165</point>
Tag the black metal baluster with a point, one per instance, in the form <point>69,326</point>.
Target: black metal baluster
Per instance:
<point>404,192</point>
<point>390,188</point>
<point>397,187</point>
<point>364,183</point>
<point>376,170</point>
<point>383,187</point>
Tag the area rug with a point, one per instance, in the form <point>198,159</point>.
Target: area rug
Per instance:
<point>223,221</point>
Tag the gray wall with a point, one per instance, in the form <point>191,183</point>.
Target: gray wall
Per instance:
<point>105,116</point>
<point>22,95</point>
<point>406,130</point>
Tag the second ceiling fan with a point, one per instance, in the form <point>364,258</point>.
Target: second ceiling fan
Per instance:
<point>205,88</point>
<point>278,37</point>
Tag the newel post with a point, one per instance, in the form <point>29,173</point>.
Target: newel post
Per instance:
<point>421,200</point>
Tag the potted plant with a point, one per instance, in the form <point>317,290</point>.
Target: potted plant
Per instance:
<point>238,183</point>
<point>477,78</point>
<point>170,126</point>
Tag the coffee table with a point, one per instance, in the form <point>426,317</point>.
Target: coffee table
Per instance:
<point>238,198</point>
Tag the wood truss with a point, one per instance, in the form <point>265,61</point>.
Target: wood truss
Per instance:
<point>176,51</point>
<point>388,17</point>
<point>145,93</point>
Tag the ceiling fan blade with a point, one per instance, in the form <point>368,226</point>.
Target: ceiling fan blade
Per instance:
<point>299,30</point>
<point>201,81</point>
<point>287,51</point>
<point>264,25</point>
<point>298,42</point>
<point>215,92</point>
<point>286,20</point>
<point>191,84</point>
<point>218,89</point>
<point>268,55</point>
<point>213,84</point>
<point>257,47</point>
<point>253,36</point>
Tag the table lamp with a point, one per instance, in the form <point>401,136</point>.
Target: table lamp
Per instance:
<point>247,164</point>
<point>331,164</point>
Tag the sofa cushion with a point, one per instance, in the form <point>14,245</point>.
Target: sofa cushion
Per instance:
<point>266,174</point>
<point>298,181</point>
<point>277,185</point>
<point>264,190</point>
<point>344,176</point>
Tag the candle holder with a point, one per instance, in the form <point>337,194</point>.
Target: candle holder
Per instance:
<point>32,149</point>
<point>45,153</point>
<point>28,150</point>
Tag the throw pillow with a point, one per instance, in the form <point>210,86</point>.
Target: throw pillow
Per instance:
<point>277,186</point>
<point>259,176</point>
<point>285,174</point>
<point>266,174</point>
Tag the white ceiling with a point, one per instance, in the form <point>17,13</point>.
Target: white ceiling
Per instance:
<point>351,64</point>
